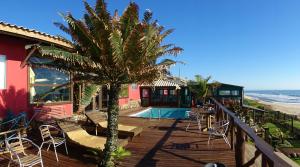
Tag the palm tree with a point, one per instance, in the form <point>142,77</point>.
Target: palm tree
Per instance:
<point>199,87</point>
<point>111,50</point>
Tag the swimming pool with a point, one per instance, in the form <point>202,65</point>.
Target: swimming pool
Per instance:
<point>173,113</point>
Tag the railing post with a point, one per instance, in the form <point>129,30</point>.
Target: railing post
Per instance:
<point>218,114</point>
<point>232,133</point>
<point>265,162</point>
<point>292,123</point>
<point>240,147</point>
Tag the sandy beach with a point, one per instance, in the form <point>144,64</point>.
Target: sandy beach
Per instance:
<point>283,107</point>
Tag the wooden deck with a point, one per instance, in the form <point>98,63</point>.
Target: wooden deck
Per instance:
<point>162,143</point>
<point>166,143</point>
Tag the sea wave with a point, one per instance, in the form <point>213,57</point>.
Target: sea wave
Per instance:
<point>274,97</point>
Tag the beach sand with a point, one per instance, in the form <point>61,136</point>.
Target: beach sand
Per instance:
<point>288,108</point>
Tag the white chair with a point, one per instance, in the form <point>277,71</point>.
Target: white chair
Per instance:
<point>18,155</point>
<point>219,130</point>
<point>193,116</point>
<point>49,139</point>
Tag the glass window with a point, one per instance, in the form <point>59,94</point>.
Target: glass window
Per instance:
<point>172,92</point>
<point>224,92</point>
<point>124,91</point>
<point>160,91</point>
<point>145,93</point>
<point>235,92</point>
<point>48,85</point>
<point>134,86</point>
<point>165,92</point>
<point>2,72</point>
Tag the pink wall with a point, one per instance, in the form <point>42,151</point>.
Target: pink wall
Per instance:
<point>16,96</point>
<point>133,94</point>
<point>55,111</point>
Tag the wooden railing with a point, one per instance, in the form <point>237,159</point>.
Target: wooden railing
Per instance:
<point>239,133</point>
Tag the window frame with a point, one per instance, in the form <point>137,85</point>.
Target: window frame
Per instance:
<point>5,72</point>
<point>70,84</point>
<point>228,92</point>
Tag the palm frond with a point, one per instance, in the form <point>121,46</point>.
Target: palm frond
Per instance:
<point>129,19</point>
<point>88,93</point>
<point>62,27</point>
<point>147,16</point>
<point>117,46</point>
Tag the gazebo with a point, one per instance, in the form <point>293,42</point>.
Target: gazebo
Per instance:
<point>168,92</point>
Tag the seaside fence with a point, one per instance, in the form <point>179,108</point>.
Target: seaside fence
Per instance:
<point>287,121</point>
<point>239,133</point>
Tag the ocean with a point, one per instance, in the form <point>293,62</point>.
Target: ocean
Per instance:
<point>282,96</point>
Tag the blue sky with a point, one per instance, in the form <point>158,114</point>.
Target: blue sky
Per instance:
<point>253,43</point>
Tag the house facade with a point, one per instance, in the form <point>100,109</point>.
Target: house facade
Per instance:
<point>227,93</point>
<point>25,88</point>
<point>21,86</point>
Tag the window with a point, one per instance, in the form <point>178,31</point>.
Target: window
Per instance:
<point>186,91</point>
<point>48,86</point>
<point>224,92</point>
<point>134,86</point>
<point>2,72</point>
<point>124,91</point>
<point>145,93</point>
<point>235,92</point>
<point>165,92</point>
<point>172,92</point>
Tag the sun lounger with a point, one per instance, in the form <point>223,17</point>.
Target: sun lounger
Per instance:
<point>99,119</point>
<point>79,136</point>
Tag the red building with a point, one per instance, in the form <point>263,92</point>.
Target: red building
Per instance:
<point>23,87</point>
<point>20,86</point>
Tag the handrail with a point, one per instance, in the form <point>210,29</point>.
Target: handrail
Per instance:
<point>253,108</point>
<point>260,144</point>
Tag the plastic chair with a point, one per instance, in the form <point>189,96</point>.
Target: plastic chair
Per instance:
<point>18,155</point>
<point>49,139</point>
<point>219,130</point>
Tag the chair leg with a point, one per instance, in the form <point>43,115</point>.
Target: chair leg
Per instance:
<point>226,140</point>
<point>49,147</point>
<point>9,163</point>
<point>42,164</point>
<point>66,148</point>
<point>199,124</point>
<point>42,145</point>
<point>209,139</point>
<point>187,127</point>
<point>55,153</point>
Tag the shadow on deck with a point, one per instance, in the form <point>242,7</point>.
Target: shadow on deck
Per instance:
<point>166,143</point>
<point>162,143</point>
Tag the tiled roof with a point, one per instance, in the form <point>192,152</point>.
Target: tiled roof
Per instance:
<point>163,83</point>
<point>11,29</point>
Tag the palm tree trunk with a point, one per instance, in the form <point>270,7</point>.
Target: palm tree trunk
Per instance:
<point>112,127</point>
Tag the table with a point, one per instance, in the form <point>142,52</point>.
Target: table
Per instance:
<point>207,113</point>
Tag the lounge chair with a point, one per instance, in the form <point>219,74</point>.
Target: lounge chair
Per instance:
<point>79,136</point>
<point>99,119</point>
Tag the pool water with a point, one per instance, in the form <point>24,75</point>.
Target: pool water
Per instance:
<point>174,113</point>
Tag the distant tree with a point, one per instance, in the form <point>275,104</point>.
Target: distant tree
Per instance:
<point>111,50</point>
<point>199,87</point>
